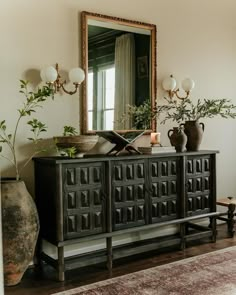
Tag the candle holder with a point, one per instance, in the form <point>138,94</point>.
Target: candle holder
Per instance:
<point>155,139</point>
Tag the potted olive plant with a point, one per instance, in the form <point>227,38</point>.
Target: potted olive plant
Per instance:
<point>188,114</point>
<point>20,223</point>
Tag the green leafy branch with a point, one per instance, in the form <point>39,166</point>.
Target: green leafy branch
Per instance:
<point>175,111</point>
<point>68,152</point>
<point>144,114</point>
<point>179,111</point>
<point>187,110</point>
<point>209,108</point>
<point>69,131</point>
<point>33,101</point>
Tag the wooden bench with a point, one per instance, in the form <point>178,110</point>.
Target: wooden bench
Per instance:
<point>230,203</point>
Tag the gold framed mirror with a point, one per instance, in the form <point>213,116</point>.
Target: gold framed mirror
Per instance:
<point>119,59</point>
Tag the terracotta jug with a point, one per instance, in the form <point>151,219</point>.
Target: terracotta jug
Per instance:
<point>194,131</point>
<point>178,138</point>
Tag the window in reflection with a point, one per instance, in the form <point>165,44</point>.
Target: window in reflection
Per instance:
<point>101,106</point>
<point>90,100</point>
<point>109,98</point>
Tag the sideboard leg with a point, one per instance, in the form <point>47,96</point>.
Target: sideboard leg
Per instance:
<point>213,227</point>
<point>109,253</point>
<point>61,264</point>
<point>231,209</point>
<point>182,228</point>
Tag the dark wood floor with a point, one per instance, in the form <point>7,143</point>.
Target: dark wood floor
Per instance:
<point>35,282</point>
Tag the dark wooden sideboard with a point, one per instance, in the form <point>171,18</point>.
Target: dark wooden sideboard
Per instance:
<point>87,199</point>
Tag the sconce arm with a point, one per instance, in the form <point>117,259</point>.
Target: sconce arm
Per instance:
<point>179,97</point>
<point>70,92</point>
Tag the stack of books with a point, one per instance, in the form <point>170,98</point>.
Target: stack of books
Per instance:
<point>156,149</point>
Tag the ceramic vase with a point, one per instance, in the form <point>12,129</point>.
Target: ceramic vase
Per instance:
<point>194,131</point>
<point>20,227</point>
<point>178,139</point>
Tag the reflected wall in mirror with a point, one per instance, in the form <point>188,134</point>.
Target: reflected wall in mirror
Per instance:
<point>119,59</point>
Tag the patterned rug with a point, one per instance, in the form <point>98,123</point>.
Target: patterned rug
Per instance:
<point>208,274</point>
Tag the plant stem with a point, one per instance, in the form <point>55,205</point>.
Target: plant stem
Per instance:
<point>29,159</point>
<point>13,147</point>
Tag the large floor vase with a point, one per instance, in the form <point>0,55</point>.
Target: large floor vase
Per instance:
<point>194,131</point>
<point>20,227</point>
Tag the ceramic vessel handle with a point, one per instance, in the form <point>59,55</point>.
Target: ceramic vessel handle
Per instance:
<point>171,130</point>
<point>203,126</point>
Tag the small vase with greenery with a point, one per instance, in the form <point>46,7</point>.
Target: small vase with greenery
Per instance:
<point>187,113</point>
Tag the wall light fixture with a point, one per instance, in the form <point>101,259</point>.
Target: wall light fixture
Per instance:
<point>51,76</point>
<point>169,84</point>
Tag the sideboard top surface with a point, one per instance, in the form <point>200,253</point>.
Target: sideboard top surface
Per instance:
<point>102,157</point>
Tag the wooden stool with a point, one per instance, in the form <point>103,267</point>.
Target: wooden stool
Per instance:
<point>230,203</point>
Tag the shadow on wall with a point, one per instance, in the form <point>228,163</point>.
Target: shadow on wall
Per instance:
<point>33,75</point>
<point>47,148</point>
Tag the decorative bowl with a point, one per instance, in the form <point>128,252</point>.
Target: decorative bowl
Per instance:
<point>82,143</point>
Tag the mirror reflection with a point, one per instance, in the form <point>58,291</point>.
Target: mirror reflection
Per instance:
<point>119,60</point>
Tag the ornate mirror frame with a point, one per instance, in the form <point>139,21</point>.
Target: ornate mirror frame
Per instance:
<point>85,17</point>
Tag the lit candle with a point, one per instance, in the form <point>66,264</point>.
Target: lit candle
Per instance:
<point>155,138</point>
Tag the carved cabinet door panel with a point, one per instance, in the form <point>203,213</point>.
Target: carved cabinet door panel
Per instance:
<point>84,199</point>
<point>198,184</point>
<point>164,188</point>
<point>129,203</point>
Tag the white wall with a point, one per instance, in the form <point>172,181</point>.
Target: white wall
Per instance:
<point>1,256</point>
<point>194,38</point>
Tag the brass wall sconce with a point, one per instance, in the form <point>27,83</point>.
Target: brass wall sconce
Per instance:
<point>51,76</point>
<point>169,84</point>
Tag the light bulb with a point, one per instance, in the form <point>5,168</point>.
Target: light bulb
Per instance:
<point>188,84</point>
<point>42,75</point>
<point>169,84</point>
<point>76,75</point>
<point>48,74</point>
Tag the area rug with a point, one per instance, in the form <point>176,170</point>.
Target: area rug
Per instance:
<point>208,274</point>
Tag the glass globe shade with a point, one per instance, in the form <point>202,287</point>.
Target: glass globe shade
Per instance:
<point>42,75</point>
<point>76,75</point>
<point>169,84</point>
<point>188,84</point>
<point>49,74</point>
